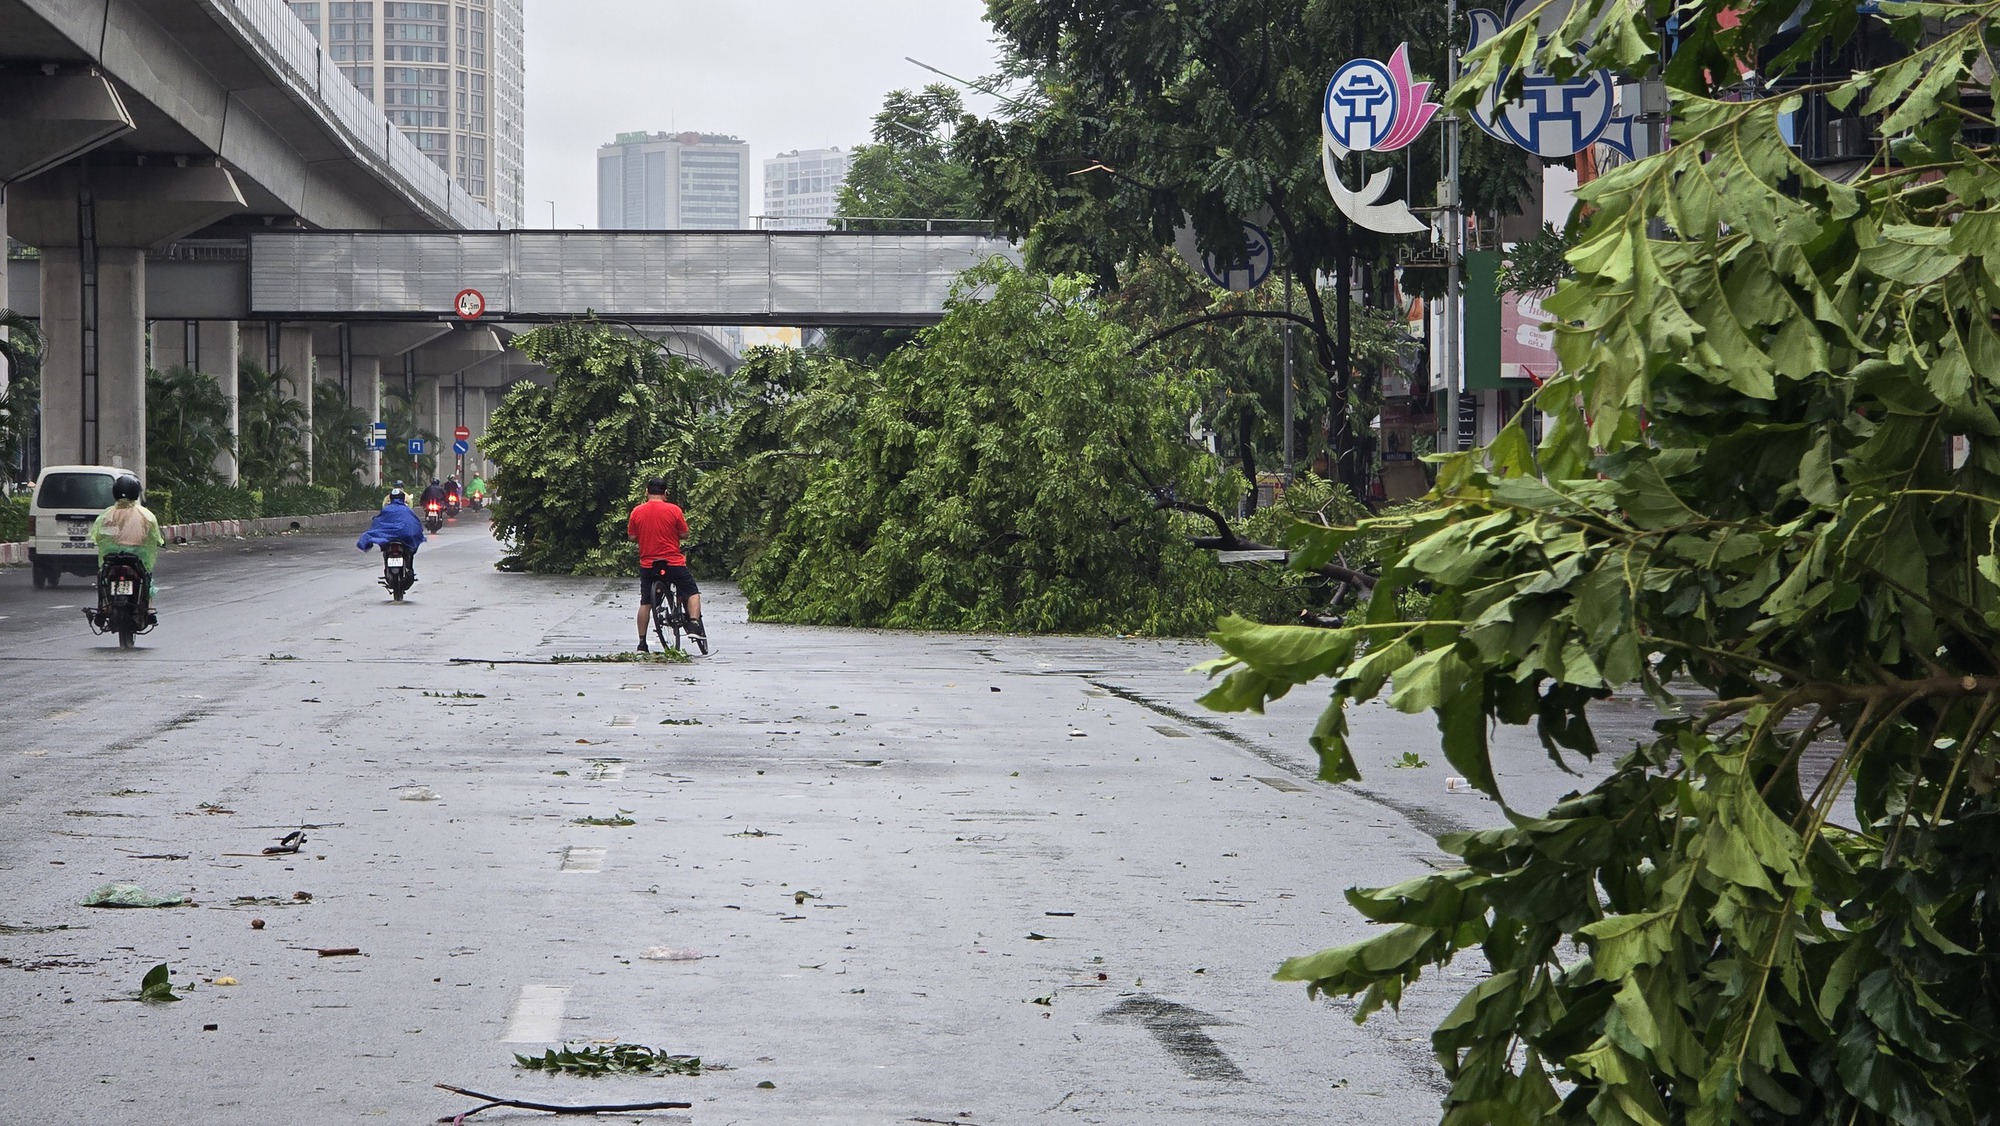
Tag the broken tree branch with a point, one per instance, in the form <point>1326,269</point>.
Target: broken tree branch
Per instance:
<point>552,1108</point>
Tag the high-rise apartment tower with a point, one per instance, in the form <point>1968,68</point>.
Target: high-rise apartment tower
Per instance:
<point>802,188</point>
<point>673,181</point>
<point>448,74</point>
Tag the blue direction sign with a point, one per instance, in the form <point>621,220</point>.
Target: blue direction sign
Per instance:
<point>378,438</point>
<point>416,447</point>
<point>460,446</point>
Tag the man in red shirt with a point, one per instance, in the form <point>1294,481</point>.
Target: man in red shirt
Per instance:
<point>658,525</point>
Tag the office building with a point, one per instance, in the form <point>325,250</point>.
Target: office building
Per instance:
<point>802,188</point>
<point>673,181</point>
<point>449,75</point>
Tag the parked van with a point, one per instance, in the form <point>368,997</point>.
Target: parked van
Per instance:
<point>67,500</point>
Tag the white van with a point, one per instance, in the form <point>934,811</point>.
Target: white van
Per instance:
<point>67,501</point>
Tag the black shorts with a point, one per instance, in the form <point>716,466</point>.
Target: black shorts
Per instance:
<point>681,577</point>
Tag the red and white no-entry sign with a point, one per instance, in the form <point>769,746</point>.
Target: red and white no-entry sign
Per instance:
<point>469,304</point>
<point>462,434</point>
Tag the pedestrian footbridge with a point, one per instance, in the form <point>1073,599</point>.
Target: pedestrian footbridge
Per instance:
<point>803,279</point>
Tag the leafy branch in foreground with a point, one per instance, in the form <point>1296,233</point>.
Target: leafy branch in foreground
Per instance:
<point>1782,908</point>
<point>613,1059</point>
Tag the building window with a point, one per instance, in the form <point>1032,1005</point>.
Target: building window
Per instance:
<point>309,12</point>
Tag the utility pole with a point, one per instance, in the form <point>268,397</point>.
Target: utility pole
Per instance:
<point>1454,236</point>
<point>1289,407</point>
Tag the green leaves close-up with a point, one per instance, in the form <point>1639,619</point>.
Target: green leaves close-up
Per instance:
<point>1766,500</point>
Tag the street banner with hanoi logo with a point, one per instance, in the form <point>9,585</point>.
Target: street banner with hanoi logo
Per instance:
<point>1373,106</point>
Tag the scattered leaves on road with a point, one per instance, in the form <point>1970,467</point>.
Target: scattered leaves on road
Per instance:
<point>617,821</point>
<point>628,657</point>
<point>613,1059</point>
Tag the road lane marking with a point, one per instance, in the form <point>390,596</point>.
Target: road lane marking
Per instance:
<point>577,858</point>
<point>537,1016</point>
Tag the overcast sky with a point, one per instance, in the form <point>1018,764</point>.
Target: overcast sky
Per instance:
<point>780,74</point>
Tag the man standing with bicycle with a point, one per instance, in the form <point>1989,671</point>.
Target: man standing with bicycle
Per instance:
<point>658,525</point>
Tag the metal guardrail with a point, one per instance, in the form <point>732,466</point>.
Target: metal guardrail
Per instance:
<point>295,57</point>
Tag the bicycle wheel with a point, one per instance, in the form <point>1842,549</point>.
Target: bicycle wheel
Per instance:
<point>676,613</point>
<point>661,591</point>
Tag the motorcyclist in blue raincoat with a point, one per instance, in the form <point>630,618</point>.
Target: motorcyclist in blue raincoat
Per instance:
<point>395,524</point>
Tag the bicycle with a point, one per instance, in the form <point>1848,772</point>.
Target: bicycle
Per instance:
<point>670,615</point>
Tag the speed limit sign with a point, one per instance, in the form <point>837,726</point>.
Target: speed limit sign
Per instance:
<point>469,304</point>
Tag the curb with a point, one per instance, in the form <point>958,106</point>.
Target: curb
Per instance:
<point>17,553</point>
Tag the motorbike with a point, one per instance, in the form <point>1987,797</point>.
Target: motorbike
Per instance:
<point>433,517</point>
<point>397,572</point>
<point>478,501</point>
<point>451,505</point>
<point>123,599</point>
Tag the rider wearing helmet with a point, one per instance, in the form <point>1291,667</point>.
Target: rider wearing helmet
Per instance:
<point>395,524</point>
<point>129,526</point>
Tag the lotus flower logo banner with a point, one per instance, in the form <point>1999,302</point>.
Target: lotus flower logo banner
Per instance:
<point>1372,106</point>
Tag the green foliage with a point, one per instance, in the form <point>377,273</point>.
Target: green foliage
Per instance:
<point>14,519</point>
<point>908,171</point>
<point>187,427</point>
<point>20,404</point>
<point>340,435</point>
<point>304,500</point>
<point>788,412</point>
<point>572,458</point>
<point>1005,473</point>
<point>611,1059</point>
<point>1780,909</point>
<point>156,987</point>
<point>617,820</point>
<point>214,502</point>
<point>271,426</point>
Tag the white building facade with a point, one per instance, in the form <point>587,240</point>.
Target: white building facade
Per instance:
<point>673,181</point>
<point>450,75</point>
<point>802,188</point>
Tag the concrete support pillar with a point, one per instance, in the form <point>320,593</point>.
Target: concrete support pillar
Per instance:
<point>221,355</point>
<point>295,359</point>
<point>94,373</point>
<point>365,392</point>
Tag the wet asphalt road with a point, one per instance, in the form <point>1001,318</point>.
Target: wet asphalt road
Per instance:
<point>930,878</point>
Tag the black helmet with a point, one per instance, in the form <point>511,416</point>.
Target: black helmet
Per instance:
<point>396,496</point>
<point>126,487</point>
<point>434,480</point>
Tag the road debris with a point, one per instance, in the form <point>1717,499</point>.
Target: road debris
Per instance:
<point>339,951</point>
<point>613,1059</point>
<point>671,954</point>
<point>551,1108</point>
<point>289,843</point>
<point>132,895</point>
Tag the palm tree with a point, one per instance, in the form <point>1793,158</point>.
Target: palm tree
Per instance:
<point>271,427</point>
<point>340,438</point>
<point>187,427</point>
<point>20,413</point>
